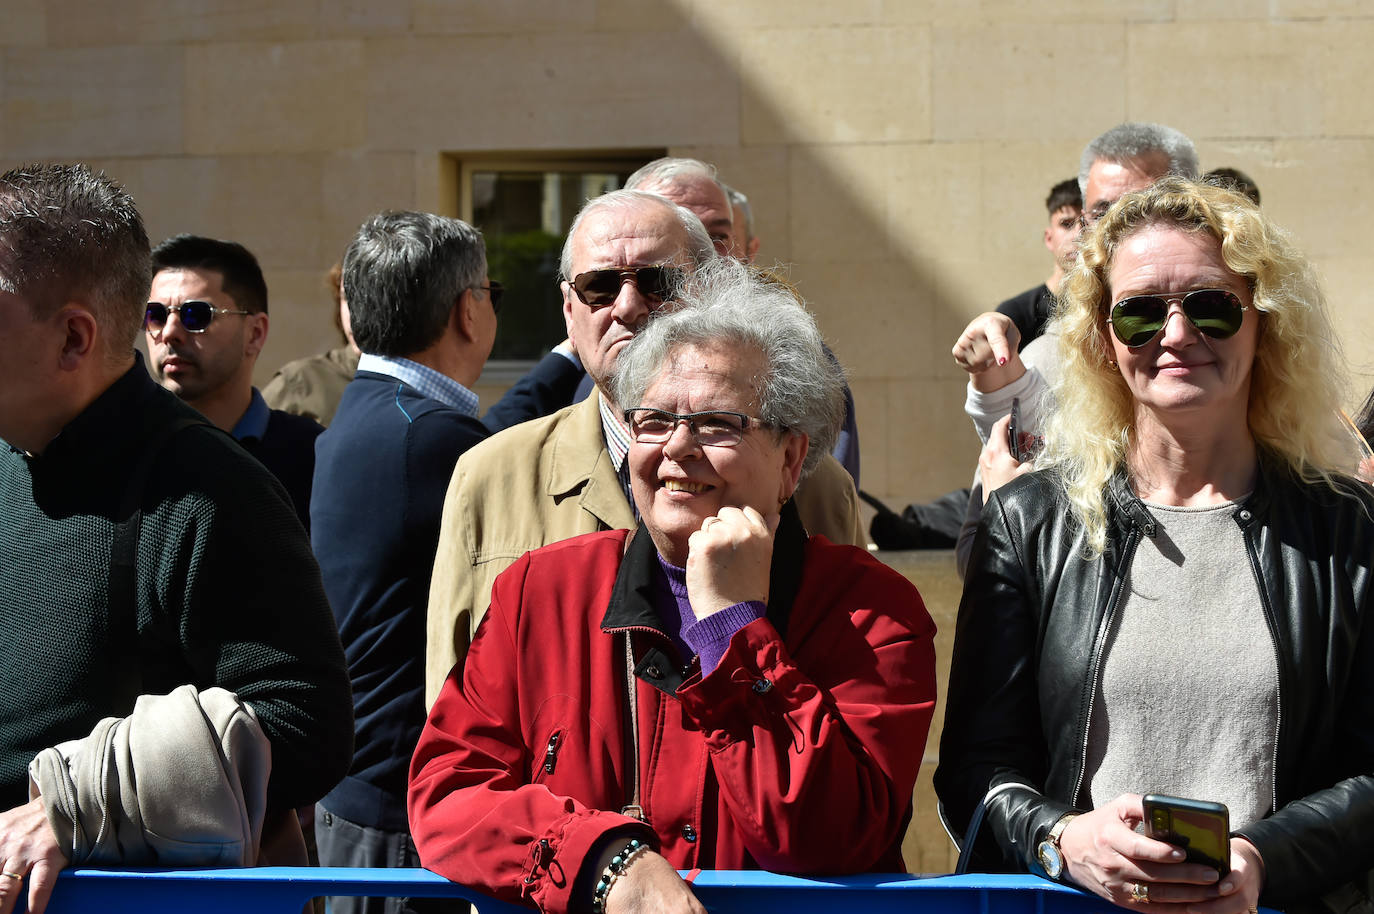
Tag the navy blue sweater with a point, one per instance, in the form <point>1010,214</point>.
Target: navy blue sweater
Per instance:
<point>381,470</point>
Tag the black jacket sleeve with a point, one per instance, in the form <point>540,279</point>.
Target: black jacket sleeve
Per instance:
<point>546,388</point>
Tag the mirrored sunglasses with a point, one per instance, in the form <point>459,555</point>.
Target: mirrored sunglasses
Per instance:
<point>1214,312</point>
<point>598,288</point>
<point>195,315</point>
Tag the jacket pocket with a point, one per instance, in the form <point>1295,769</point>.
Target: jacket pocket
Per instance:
<point>547,764</point>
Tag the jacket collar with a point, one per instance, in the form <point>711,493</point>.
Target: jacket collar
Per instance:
<point>1133,513</point>
<point>579,463</point>
<point>632,598</point>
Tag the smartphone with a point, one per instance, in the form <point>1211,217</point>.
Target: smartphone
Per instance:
<point>1202,829</point>
<point>1014,430</point>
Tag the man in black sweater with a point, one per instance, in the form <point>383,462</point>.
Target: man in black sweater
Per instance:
<point>206,324</point>
<point>140,549</point>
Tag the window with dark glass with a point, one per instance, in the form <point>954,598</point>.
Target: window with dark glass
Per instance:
<point>524,209</point>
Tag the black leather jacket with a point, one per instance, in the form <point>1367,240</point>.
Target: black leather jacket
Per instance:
<point>1028,648</point>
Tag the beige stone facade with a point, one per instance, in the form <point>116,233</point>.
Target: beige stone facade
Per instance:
<point>897,152</point>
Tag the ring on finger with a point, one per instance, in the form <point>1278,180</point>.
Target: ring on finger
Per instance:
<point>1140,893</point>
<point>16,876</point>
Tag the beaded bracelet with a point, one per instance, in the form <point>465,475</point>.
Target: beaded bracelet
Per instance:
<point>613,871</point>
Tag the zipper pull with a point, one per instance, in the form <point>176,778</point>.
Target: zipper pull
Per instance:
<point>541,855</point>
<point>551,754</point>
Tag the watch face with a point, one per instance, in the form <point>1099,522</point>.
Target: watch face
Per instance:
<point>1050,859</point>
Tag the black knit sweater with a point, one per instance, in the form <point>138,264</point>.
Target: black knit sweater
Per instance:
<point>225,592</point>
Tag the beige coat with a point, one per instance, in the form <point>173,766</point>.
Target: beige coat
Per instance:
<point>545,481</point>
<point>181,781</point>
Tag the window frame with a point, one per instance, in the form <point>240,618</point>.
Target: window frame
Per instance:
<point>507,371</point>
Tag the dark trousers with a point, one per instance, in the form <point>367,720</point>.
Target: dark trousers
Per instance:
<point>345,843</point>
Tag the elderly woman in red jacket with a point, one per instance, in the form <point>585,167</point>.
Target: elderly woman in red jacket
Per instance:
<point>715,689</point>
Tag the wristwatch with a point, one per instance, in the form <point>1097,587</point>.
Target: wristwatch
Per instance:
<point>1051,857</point>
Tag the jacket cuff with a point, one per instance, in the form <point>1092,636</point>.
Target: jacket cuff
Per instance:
<point>559,876</point>
<point>725,701</point>
<point>1021,817</point>
<point>1274,842</point>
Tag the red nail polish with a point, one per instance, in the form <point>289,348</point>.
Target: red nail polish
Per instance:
<point>1002,361</point>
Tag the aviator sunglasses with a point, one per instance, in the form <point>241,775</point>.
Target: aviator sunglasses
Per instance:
<point>195,315</point>
<point>598,288</point>
<point>1139,319</point>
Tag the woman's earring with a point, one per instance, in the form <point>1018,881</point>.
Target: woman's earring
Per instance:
<point>1113,365</point>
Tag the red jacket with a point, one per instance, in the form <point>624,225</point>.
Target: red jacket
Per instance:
<point>797,754</point>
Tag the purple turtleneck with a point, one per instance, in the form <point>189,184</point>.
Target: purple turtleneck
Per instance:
<point>707,638</point>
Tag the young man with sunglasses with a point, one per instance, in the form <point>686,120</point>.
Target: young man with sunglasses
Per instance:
<point>205,325</point>
<point>566,474</point>
<point>140,551</point>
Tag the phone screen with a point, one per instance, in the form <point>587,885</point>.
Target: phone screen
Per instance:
<point>1201,828</point>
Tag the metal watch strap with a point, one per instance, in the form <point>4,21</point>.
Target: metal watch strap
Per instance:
<point>1057,829</point>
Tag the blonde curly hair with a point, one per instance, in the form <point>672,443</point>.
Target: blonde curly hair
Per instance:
<point>1297,381</point>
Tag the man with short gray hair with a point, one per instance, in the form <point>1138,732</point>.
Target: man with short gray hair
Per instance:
<point>744,243</point>
<point>1127,158</point>
<point>423,313</point>
<point>692,184</point>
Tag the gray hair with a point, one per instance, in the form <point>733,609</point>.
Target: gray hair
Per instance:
<point>728,303</point>
<point>1129,141</point>
<point>739,199</point>
<point>668,170</point>
<point>402,275</point>
<point>70,234</point>
<point>699,247</point>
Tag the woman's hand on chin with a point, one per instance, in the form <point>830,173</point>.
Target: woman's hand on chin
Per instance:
<point>729,558</point>
<point>651,885</point>
<point>1104,854</point>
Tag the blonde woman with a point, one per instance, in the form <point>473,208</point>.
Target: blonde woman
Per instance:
<point>1180,600</point>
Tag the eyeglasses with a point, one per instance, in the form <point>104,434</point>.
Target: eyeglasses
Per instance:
<point>1140,318</point>
<point>1087,220</point>
<point>195,315</point>
<point>713,428</point>
<point>598,288</point>
<point>494,292</point>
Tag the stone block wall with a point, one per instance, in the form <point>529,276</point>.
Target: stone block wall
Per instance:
<point>896,151</point>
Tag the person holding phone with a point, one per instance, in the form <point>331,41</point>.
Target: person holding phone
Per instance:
<point>715,689</point>
<point>1178,601</point>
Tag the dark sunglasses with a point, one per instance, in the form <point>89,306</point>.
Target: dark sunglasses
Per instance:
<point>598,288</point>
<point>195,315</point>
<point>1140,318</point>
<point>494,292</point>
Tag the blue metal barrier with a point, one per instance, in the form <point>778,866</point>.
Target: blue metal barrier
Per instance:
<point>285,890</point>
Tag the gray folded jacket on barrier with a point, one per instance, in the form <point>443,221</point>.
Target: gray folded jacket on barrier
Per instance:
<point>180,781</point>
